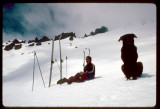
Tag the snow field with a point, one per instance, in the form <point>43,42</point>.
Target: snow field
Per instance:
<point>108,89</point>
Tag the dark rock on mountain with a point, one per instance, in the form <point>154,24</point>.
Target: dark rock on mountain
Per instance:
<point>38,43</point>
<point>9,47</point>
<point>44,38</point>
<point>70,44</point>
<point>18,46</point>
<point>32,44</point>
<point>15,41</point>
<point>23,41</point>
<point>31,41</point>
<point>65,35</point>
<point>71,38</point>
<point>36,39</point>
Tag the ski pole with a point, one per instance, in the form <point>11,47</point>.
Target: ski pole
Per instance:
<point>39,69</point>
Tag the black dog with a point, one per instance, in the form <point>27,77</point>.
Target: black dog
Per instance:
<point>131,68</point>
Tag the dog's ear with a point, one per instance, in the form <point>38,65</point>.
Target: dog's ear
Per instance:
<point>121,38</point>
<point>134,36</point>
<point>127,35</point>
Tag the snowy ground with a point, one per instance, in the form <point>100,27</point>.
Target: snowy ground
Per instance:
<point>108,89</point>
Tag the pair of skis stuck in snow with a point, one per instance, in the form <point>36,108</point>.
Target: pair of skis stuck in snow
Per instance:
<point>52,62</point>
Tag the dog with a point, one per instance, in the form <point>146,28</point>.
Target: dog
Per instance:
<point>129,56</point>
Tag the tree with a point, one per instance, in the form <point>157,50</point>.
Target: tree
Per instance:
<point>92,33</point>
<point>97,31</point>
<point>85,35</point>
<point>104,29</point>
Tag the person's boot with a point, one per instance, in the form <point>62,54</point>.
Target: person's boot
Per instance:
<point>61,81</point>
<point>70,80</point>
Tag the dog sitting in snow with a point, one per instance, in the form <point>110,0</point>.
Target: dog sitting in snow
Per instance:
<point>130,68</point>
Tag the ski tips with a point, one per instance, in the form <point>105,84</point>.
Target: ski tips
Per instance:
<point>60,37</point>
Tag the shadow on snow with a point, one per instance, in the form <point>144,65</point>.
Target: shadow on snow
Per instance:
<point>146,75</point>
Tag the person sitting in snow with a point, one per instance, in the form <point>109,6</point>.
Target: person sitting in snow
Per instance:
<point>88,73</point>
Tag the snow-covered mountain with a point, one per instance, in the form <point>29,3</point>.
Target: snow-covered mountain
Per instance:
<point>108,89</point>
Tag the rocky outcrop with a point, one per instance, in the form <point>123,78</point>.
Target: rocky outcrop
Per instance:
<point>31,41</point>
<point>71,38</point>
<point>38,43</point>
<point>36,39</point>
<point>18,46</point>
<point>9,47</point>
<point>44,38</point>
<point>17,41</point>
<point>32,44</point>
<point>65,35</point>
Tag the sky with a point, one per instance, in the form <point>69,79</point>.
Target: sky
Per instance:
<point>26,21</point>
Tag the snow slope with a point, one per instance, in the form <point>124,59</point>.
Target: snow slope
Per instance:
<point>108,89</point>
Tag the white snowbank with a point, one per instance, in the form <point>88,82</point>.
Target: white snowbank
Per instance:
<point>108,89</point>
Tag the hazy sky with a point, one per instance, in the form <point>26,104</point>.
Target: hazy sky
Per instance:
<point>30,20</point>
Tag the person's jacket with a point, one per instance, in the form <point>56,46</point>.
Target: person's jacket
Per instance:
<point>90,70</point>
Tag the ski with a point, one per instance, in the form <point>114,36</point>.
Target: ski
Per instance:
<point>66,66</point>
<point>60,57</point>
<point>52,62</point>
